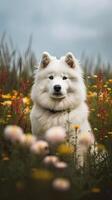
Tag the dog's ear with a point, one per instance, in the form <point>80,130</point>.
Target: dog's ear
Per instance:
<point>70,60</point>
<point>45,59</point>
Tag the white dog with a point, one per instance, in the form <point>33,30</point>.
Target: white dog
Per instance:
<point>59,95</point>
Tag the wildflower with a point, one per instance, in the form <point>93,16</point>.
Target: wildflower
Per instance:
<point>86,139</point>
<point>3,121</point>
<point>92,94</point>
<point>110,133</point>
<point>5,158</point>
<point>22,139</point>
<point>26,100</point>
<point>26,110</point>
<point>109,89</point>
<point>50,160</point>
<point>42,174</point>
<point>94,86</point>
<point>28,140</point>
<point>65,149</point>
<point>95,129</point>
<point>95,190</point>
<point>9,116</point>
<point>61,184</point>
<point>95,76</point>
<point>55,134</point>
<point>20,185</point>
<point>92,109</point>
<point>6,103</point>
<point>101,148</point>
<point>105,85</point>
<point>60,165</point>
<point>6,96</point>
<point>76,126</point>
<point>40,147</point>
<point>110,80</point>
<point>15,93</point>
<point>13,133</point>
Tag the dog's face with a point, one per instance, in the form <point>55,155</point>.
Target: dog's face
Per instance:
<point>58,83</point>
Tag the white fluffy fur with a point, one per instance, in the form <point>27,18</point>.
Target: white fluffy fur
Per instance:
<point>73,96</point>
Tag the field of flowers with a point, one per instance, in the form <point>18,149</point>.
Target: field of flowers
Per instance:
<point>31,169</point>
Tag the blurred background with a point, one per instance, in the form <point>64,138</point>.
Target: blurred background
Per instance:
<point>58,26</point>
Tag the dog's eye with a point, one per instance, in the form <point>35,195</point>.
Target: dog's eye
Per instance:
<point>64,77</point>
<point>51,77</point>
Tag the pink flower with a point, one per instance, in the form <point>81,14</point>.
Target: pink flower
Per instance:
<point>50,160</point>
<point>86,139</point>
<point>61,184</point>
<point>55,134</point>
<point>40,147</point>
<point>60,165</point>
<point>13,133</point>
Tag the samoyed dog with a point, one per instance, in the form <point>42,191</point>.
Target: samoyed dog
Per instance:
<point>59,97</point>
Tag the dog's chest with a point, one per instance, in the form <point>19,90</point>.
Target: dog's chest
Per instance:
<point>46,120</point>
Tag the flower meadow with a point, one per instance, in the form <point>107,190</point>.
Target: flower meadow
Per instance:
<point>46,169</point>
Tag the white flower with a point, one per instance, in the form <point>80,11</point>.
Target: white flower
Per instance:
<point>61,184</point>
<point>13,133</point>
<point>60,165</point>
<point>50,160</point>
<point>55,134</point>
<point>40,147</point>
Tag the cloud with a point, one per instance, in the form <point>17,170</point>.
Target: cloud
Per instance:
<point>60,25</point>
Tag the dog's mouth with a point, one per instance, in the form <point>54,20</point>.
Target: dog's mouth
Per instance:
<point>57,95</point>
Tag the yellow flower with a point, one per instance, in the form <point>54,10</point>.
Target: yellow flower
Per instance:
<point>3,121</point>
<point>5,158</point>
<point>6,103</point>
<point>95,76</point>
<point>95,129</point>
<point>100,147</point>
<point>6,96</point>
<point>95,190</point>
<point>65,149</point>
<point>9,116</point>
<point>26,100</point>
<point>92,109</point>
<point>94,86</point>
<point>42,174</point>
<point>110,80</point>
<point>28,139</point>
<point>109,89</point>
<point>92,94</point>
<point>15,93</point>
<point>110,133</point>
<point>75,126</point>
<point>26,110</point>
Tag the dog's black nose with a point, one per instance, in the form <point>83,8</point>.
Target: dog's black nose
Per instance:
<point>57,88</point>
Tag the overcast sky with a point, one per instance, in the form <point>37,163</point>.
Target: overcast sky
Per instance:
<point>59,26</point>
